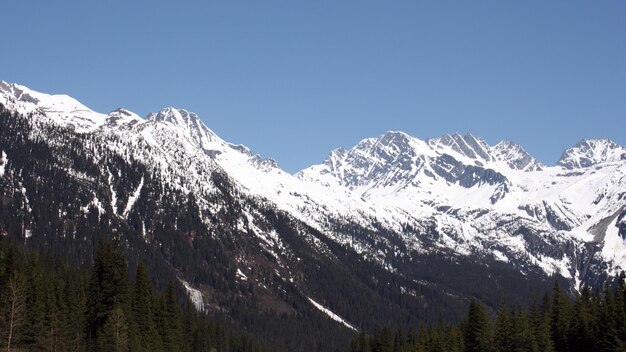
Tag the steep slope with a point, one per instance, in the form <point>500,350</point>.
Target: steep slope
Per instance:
<point>157,185</point>
<point>61,109</point>
<point>587,153</point>
<point>393,230</point>
<point>495,199</point>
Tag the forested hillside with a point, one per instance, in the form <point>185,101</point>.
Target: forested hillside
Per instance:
<point>556,323</point>
<point>46,305</point>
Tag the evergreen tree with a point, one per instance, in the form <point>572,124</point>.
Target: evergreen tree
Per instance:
<point>608,325</point>
<point>145,335</point>
<point>114,334</point>
<point>108,290</point>
<point>383,341</point>
<point>583,336</point>
<point>503,338</point>
<point>33,327</point>
<point>173,321</point>
<point>15,308</point>
<point>523,340</point>
<point>559,322</point>
<point>540,324</point>
<point>477,335</point>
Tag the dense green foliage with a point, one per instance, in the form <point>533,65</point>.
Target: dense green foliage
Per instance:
<point>46,305</point>
<point>588,322</point>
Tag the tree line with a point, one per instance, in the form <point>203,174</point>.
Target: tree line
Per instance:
<point>588,321</point>
<point>46,305</point>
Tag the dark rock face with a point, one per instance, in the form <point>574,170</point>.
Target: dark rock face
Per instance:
<point>473,175</point>
<point>448,168</point>
<point>621,223</point>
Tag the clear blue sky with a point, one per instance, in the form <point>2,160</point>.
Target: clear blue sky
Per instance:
<point>295,79</point>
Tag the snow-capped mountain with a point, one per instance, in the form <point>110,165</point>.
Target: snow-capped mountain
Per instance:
<point>587,153</point>
<point>392,200</point>
<point>468,187</point>
<point>62,109</point>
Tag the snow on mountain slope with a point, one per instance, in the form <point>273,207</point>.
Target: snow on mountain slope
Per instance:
<point>453,193</point>
<point>449,180</point>
<point>62,109</point>
<point>515,156</point>
<point>121,117</point>
<point>587,153</point>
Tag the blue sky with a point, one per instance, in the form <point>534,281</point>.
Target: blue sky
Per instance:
<point>295,79</point>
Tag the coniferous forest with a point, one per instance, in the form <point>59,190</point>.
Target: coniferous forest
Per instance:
<point>557,323</point>
<point>46,305</point>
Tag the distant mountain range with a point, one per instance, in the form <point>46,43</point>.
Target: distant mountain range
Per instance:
<point>395,224</point>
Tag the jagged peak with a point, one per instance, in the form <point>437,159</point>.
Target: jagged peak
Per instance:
<point>335,157</point>
<point>467,145</point>
<point>186,121</point>
<point>338,153</point>
<point>389,145</point>
<point>173,115</point>
<point>588,152</point>
<point>395,135</point>
<point>515,156</point>
<point>395,139</point>
<point>18,92</point>
<point>121,116</point>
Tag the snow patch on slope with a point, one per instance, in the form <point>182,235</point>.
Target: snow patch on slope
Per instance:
<point>3,163</point>
<point>614,248</point>
<point>195,296</point>
<point>113,194</point>
<point>133,198</point>
<point>332,315</point>
<point>96,203</point>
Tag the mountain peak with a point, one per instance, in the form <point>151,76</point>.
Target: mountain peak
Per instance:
<point>62,109</point>
<point>17,92</point>
<point>121,116</point>
<point>589,152</point>
<point>515,156</point>
<point>180,117</point>
<point>467,145</point>
<point>399,141</point>
<point>187,122</point>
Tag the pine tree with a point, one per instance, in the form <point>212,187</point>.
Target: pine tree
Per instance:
<point>145,335</point>
<point>114,334</point>
<point>540,324</point>
<point>383,341</point>
<point>503,338</point>
<point>478,331</point>
<point>190,324</point>
<point>173,321</point>
<point>608,325</point>
<point>583,323</point>
<point>559,322</point>
<point>33,327</point>
<point>523,339</point>
<point>14,316</point>
<point>364,345</point>
<point>108,288</point>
